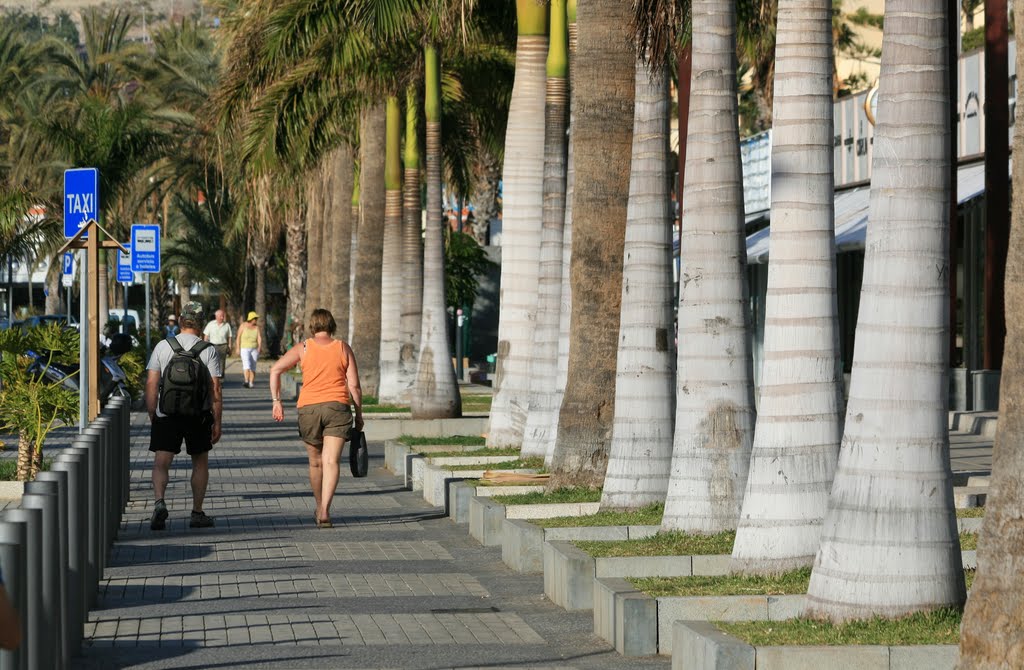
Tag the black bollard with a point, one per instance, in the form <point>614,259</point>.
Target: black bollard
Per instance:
<point>74,463</point>
<point>59,480</point>
<point>98,427</point>
<point>33,640</point>
<point>13,563</point>
<point>43,496</point>
<point>88,443</point>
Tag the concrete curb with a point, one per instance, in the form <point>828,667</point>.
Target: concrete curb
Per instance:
<point>522,547</point>
<point>485,521</point>
<point>380,429</point>
<point>702,646</point>
<point>11,491</point>
<point>970,525</point>
<point>435,477</point>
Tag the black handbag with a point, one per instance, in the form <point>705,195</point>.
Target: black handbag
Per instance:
<point>358,457</point>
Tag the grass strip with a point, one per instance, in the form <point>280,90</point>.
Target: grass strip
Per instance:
<point>970,512</point>
<point>937,627</point>
<point>969,578</point>
<point>478,482</point>
<point>561,495</point>
<point>645,516</point>
<point>968,541</point>
<point>536,463</point>
<point>9,468</point>
<point>504,451</point>
<point>460,440</point>
<point>788,583</point>
<point>671,543</point>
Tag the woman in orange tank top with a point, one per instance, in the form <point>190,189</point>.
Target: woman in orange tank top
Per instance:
<point>330,387</point>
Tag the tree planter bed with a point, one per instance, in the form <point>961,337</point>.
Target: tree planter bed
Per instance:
<point>395,453</point>
<point>569,572</point>
<point>460,493</point>
<point>522,542</point>
<point>702,646</point>
<point>380,427</point>
<point>487,517</point>
<point>432,474</point>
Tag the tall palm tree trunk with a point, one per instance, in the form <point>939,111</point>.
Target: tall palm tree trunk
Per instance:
<point>714,380</point>
<point>354,254</point>
<point>641,448</point>
<point>562,361</point>
<point>325,255</point>
<point>391,390</point>
<point>544,363</point>
<point>412,248</point>
<point>314,242</point>
<point>796,442</point>
<point>53,289</point>
<point>436,394</point>
<point>889,543</point>
<point>994,618</point>
<point>366,303</point>
<point>341,240</point>
<point>295,253</point>
<point>523,192</point>
<point>604,136</point>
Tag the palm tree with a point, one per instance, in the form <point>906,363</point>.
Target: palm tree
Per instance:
<point>392,389</point>
<point>341,239</point>
<point>889,542</point>
<point>796,443</point>
<point>521,226</point>
<point>324,260</point>
<point>714,385</point>
<point>412,245</point>
<point>544,359</point>
<point>603,135</point>
<point>641,448</point>
<point>990,634</point>
<point>314,240</point>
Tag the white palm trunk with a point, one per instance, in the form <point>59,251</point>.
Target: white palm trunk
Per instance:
<point>549,439</point>
<point>520,243</point>
<point>796,441</point>
<point>412,251</point>
<point>314,242</point>
<point>544,363</point>
<point>889,544</point>
<point>641,448</point>
<point>714,385</point>
<point>325,255</point>
<point>341,240</point>
<point>391,390</point>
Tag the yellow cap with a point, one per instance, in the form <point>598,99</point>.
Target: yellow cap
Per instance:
<point>252,315</point>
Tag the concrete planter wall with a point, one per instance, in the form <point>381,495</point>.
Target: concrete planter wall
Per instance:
<point>702,646</point>
<point>522,547</point>
<point>460,494</point>
<point>436,473</point>
<point>379,427</point>
<point>11,491</point>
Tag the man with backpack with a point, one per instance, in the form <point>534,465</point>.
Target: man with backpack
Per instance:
<point>183,397</point>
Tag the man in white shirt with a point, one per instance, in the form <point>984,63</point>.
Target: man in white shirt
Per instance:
<point>218,333</point>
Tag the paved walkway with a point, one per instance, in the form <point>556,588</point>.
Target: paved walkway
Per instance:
<point>393,585</point>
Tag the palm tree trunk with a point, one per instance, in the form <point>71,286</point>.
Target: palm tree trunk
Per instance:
<point>366,305</point>
<point>889,543</point>
<point>25,458</point>
<point>796,444</point>
<point>523,191</point>
<point>412,248</point>
<point>641,447</point>
<point>604,124</point>
<point>391,390</point>
<point>53,289</point>
<point>295,252</point>
<point>562,361</point>
<point>544,359</point>
<point>341,240</point>
<point>325,254</point>
<point>314,241</point>
<point>436,394</point>
<point>714,380</point>
<point>994,616</point>
<point>354,255</point>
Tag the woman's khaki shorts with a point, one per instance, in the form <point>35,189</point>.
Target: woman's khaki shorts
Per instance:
<point>332,419</point>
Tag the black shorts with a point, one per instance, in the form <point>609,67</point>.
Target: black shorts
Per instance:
<point>167,433</point>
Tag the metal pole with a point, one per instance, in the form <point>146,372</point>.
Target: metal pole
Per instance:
<point>74,463</point>
<point>52,487</point>
<point>50,587</point>
<point>14,563</point>
<point>83,344</point>
<point>68,291</point>
<point>124,319</point>
<point>458,343</point>
<point>32,579</point>
<point>90,444</point>
<point>148,347</point>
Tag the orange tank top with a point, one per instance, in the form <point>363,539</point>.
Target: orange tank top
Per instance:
<point>324,369</point>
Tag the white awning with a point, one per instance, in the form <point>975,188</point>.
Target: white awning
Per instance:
<point>852,213</point>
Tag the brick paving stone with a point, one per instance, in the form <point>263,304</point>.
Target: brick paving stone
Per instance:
<point>393,585</point>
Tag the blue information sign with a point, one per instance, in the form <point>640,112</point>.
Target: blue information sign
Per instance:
<point>145,248</point>
<point>68,267</point>
<point>124,267</point>
<point>81,198</point>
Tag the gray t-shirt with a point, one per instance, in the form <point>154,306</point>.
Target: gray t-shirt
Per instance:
<point>162,355</point>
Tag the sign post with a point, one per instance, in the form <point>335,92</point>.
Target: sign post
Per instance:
<point>68,279</point>
<point>125,276</point>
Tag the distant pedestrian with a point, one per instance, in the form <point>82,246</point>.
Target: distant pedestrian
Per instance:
<point>249,344</point>
<point>330,387</point>
<point>183,397</point>
<point>218,333</point>
<point>171,327</point>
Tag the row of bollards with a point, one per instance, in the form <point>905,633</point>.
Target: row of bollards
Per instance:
<point>55,546</point>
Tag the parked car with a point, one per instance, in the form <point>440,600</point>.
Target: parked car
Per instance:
<point>62,319</point>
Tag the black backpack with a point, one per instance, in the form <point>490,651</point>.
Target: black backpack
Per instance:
<point>185,382</point>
